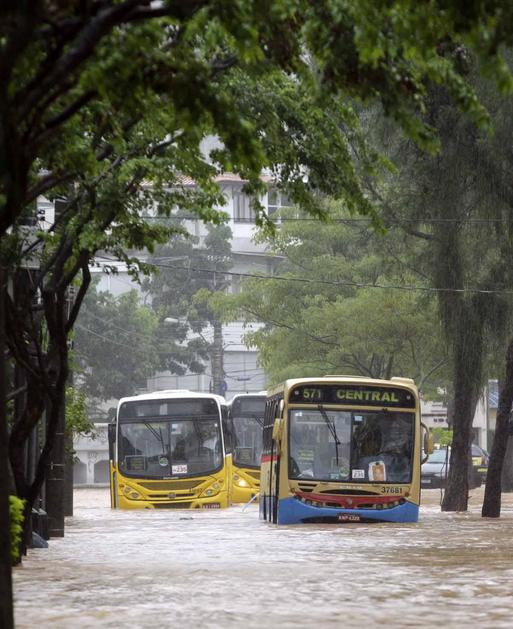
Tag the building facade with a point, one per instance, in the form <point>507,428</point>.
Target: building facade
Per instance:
<point>436,415</point>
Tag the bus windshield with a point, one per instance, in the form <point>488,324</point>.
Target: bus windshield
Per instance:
<point>170,448</point>
<point>356,446</point>
<point>247,432</point>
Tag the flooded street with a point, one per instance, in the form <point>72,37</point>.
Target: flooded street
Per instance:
<point>228,569</point>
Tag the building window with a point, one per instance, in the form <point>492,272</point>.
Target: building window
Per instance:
<point>276,200</point>
<point>242,210</point>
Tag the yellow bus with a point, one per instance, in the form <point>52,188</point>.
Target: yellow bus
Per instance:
<point>246,412</point>
<point>342,449</point>
<point>168,451</point>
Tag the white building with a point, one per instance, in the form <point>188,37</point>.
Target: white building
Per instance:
<point>92,458</point>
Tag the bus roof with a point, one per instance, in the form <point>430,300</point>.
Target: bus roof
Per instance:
<point>406,383</point>
<point>168,394</point>
<point>239,395</point>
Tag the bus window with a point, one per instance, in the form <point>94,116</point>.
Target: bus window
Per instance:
<point>382,446</point>
<point>320,444</point>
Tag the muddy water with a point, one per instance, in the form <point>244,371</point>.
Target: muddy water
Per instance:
<point>227,569</point>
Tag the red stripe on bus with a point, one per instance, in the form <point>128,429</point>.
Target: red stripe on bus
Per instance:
<point>268,458</point>
<point>347,501</point>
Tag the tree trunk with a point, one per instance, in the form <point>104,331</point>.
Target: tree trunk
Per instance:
<point>507,467</point>
<point>6,602</point>
<point>467,366</point>
<point>492,498</point>
<point>46,370</point>
<point>456,495</point>
<point>68,455</point>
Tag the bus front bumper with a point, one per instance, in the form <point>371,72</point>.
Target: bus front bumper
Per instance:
<point>293,511</point>
<point>216,502</point>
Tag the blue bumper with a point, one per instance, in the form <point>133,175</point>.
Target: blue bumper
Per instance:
<point>293,511</point>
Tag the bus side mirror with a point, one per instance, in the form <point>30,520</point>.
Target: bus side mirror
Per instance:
<point>277,429</point>
<point>427,446</point>
<point>112,439</point>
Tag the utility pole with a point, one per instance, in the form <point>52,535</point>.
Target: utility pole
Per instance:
<point>55,481</point>
<point>68,476</point>
<point>217,354</point>
<point>57,501</point>
<point>217,360</point>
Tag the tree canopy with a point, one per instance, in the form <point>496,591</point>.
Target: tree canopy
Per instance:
<point>59,60</point>
<point>342,301</point>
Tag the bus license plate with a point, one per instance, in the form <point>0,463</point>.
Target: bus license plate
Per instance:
<point>212,505</point>
<point>348,517</point>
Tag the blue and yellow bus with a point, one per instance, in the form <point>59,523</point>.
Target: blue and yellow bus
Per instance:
<point>246,412</point>
<point>342,449</point>
<point>168,451</point>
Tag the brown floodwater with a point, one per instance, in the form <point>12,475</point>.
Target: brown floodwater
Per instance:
<point>227,569</point>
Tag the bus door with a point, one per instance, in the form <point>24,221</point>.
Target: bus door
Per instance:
<point>227,429</point>
<point>276,451</point>
<point>274,473</point>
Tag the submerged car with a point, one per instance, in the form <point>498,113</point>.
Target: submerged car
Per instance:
<point>435,470</point>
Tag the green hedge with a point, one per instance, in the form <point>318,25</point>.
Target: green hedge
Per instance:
<point>16,506</point>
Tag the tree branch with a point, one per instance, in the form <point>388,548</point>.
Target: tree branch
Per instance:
<point>47,182</point>
<point>86,281</point>
<point>69,111</point>
<point>438,365</point>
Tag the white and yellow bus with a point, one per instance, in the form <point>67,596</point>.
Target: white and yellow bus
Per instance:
<point>168,450</point>
<point>246,412</point>
<point>342,449</point>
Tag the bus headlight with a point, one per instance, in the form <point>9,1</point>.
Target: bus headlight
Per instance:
<point>240,482</point>
<point>131,493</point>
<point>211,491</point>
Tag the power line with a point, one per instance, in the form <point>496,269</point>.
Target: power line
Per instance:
<point>113,325</point>
<point>255,371</point>
<point>106,338</point>
<point>101,336</point>
<point>131,347</point>
<point>391,221</point>
<point>230,335</point>
<point>298,280</point>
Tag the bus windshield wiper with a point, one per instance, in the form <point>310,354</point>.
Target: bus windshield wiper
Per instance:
<point>332,429</point>
<point>258,420</point>
<point>158,435</point>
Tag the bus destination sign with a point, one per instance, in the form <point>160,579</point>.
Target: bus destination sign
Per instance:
<point>352,395</point>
